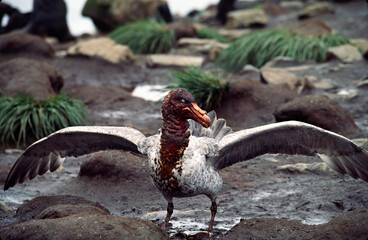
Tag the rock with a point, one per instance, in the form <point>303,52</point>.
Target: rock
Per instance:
<point>206,46</point>
<point>25,45</point>
<point>320,168</point>
<point>316,9</point>
<point>349,225</point>
<point>78,227</point>
<point>345,53</point>
<point>107,164</point>
<point>278,76</point>
<point>321,111</point>
<point>182,29</point>
<point>292,5</point>
<point>361,142</point>
<point>64,210</point>
<point>107,15</point>
<point>173,60</point>
<point>104,48</point>
<point>30,77</point>
<point>246,18</point>
<point>363,84</point>
<point>233,34</point>
<point>286,62</point>
<point>362,44</point>
<point>4,208</point>
<point>37,207</point>
<point>273,9</point>
<point>314,27</point>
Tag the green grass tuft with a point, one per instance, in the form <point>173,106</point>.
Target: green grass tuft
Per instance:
<point>259,47</point>
<point>145,37</point>
<point>23,118</point>
<point>206,88</point>
<point>209,33</point>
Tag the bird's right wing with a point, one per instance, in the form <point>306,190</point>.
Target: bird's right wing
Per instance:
<point>293,137</point>
<point>48,153</point>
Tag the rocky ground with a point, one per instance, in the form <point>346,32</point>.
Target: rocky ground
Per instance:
<point>261,196</point>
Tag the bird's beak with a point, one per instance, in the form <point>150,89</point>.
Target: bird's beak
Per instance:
<point>199,115</point>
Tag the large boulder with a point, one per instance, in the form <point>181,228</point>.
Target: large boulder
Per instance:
<point>25,45</point>
<point>30,77</point>
<point>321,111</point>
<point>314,27</point>
<point>349,225</point>
<point>70,217</point>
<point>107,15</point>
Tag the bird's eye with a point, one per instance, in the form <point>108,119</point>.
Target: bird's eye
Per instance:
<point>183,100</point>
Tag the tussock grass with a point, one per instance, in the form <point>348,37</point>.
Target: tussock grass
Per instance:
<point>145,37</point>
<point>206,88</point>
<point>259,47</point>
<point>209,33</point>
<point>23,118</point>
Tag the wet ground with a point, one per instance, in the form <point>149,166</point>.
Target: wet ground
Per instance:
<point>251,189</point>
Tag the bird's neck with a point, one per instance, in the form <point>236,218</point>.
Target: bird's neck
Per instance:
<point>174,140</point>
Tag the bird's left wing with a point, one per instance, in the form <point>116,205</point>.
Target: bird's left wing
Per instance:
<point>293,137</point>
<point>48,153</point>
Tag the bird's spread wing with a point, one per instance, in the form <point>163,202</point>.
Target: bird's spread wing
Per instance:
<point>293,137</point>
<point>48,153</point>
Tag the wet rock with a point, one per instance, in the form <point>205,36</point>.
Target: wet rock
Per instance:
<point>25,45</point>
<point>273,9</point>
<point>37,207</point>
<point>4,208</point>
<point>107,15</point>
<point>165,60</point>
<point>30,77</point>
<point>316,9</point>
<point>349,225</point>
<point>362,44</point>
<point>64,210</point>
<point>108,164</point>
<point>345,53</point>
<point>182,29</point>
<point>312,26</point>
<point>246,18</point>
<point>85,227</point>
<point>321,111</point>
<point>104,48</point>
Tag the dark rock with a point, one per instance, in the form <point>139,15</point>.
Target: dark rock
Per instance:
<point>85,227</point>
<point>30,77</point>
<point>182,29</point>
<point>321,111</point>
<point>49,19</point>
<point>39,207</point>
<point>313,27</point>
<point>64,210</point>
<point>25,45</point>
<point>349,225</point>
<point>316,9</point>
<point>108,164</point>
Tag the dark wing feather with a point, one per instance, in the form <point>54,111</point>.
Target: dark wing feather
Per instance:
<point>293,137</point>
<point>48,153</point>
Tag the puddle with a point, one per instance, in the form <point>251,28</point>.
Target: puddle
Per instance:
<point>152,93</point>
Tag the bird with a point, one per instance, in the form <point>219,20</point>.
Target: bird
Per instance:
<point>187,154</point>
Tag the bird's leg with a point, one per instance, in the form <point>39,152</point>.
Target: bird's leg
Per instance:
<point>213,209</point>
<point>170,210</point>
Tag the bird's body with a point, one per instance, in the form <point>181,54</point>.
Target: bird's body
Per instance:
<point>186,156</point>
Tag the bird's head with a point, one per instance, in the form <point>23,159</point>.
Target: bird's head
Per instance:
<point>181,105</point>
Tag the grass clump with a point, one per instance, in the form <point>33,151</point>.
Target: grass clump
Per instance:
<point>259,47</point>
<point>23,118</point>
<point>145,37</point>
<point>206,88</point>
<point>209,33</point>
